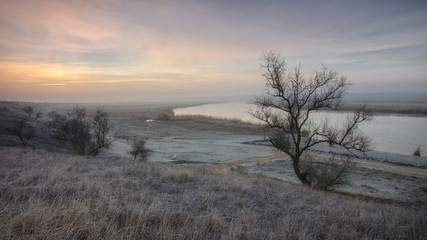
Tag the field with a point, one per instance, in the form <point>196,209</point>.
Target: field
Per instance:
<point>200,183</point>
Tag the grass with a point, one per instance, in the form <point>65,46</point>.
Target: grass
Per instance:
<point>211,119</point>
<point>47,195</point>
<point>215,123</point>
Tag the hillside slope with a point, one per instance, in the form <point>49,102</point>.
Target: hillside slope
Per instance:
<point>52,195</point>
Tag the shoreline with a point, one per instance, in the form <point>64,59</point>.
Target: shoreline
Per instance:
<point>199,141</point>
<point>410,109</point>
<point>391,132</point>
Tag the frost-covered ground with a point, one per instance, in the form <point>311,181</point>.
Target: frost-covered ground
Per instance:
<point>175,142</point>
<point>170,143</point>
<point>362,180</point>
<point>217,143</point>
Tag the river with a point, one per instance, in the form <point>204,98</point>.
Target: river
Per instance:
<point>390,133</point>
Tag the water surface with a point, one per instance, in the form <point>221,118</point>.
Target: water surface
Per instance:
<point>390,133</point>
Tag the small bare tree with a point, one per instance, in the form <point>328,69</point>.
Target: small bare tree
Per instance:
<point>417,151</point>
<point>289,100</point>
<point>28,110</point>
<point>39,115</point>
<point>101,128</point>
<point>138,149</point>
<point>24,132</point>
<point>88,135</point>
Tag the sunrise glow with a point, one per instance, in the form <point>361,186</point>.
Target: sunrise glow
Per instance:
<point>133,50</point>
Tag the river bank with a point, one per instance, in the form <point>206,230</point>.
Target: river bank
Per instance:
<point>400,134</point>
<point>217,143</point>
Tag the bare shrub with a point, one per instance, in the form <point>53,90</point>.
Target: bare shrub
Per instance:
<point>163,117</point>
<point>138,150</point>
<point>211,220</point>
<point>28,110</point>
<point>179,176</point>
<point>329,173</point>
<point>39,115</point>
<point>24,131</point>
<point>87,134</point>
<point>417,151</point>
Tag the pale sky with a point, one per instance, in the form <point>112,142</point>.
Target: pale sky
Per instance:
<point>129,50</point>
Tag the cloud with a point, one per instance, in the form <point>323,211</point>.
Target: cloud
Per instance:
<point>185,46</point>
<point>56,25</point>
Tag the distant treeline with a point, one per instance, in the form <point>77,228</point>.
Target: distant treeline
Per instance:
<point>387,97</point>
<point>389,108</point>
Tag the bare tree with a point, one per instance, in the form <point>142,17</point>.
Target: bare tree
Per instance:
<point>101,128</point>
<point>24,132</point>
<point>28,110</point>
<point>289,100</point>
<point>39,114</point>
<point>138,149</point>
<point>87,135</point>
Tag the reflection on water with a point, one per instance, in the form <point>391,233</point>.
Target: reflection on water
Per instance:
<point>390,133</point>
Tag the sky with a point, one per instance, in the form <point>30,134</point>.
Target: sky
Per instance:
<point>129,50</point>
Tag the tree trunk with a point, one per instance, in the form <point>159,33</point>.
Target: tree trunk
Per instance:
<point>302,176</point>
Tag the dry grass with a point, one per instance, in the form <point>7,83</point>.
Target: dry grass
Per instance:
<point>46,195</point>
<point>216,123</point>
